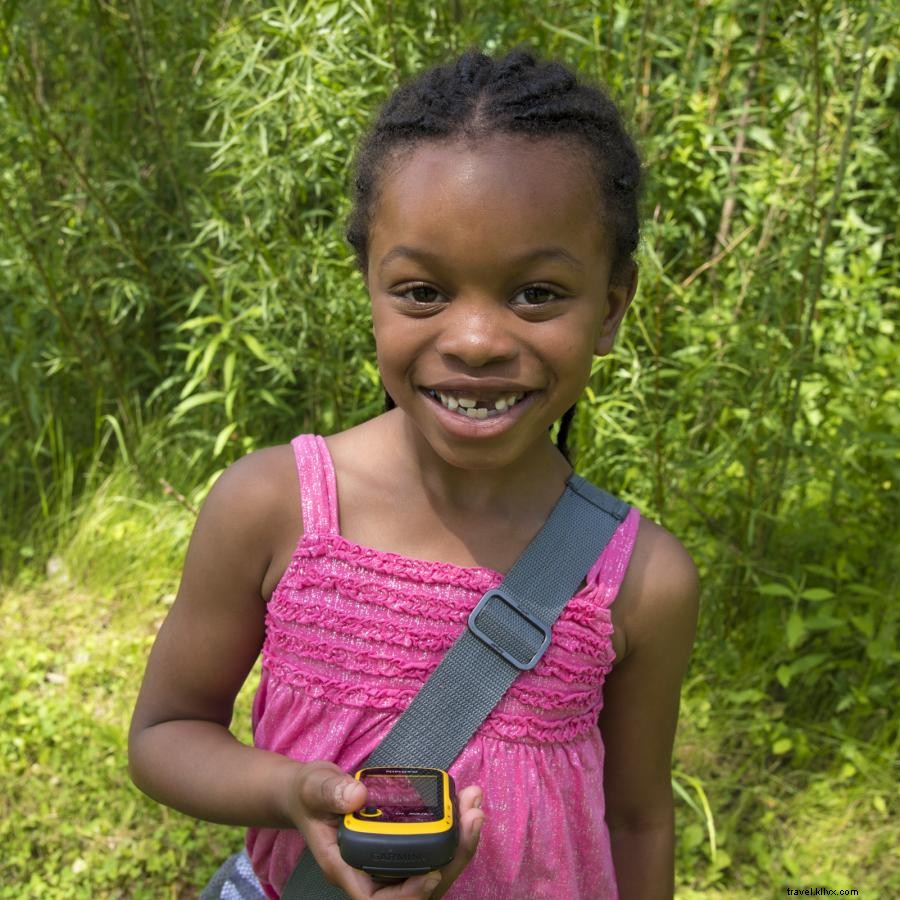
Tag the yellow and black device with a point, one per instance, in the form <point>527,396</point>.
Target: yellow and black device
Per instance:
<point>408,825</point>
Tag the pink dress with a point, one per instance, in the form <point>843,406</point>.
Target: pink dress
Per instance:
<point>351,635</point>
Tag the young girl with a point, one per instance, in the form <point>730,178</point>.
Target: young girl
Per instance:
<point>494,221</point>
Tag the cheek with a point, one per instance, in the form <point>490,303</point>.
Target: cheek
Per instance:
<point>573,363</point>
<point>381,328</point>
<point>575,347</point>
<point>395,345</point>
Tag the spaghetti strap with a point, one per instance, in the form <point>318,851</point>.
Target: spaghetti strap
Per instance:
<point>608,572</point>
<point>318,490</point>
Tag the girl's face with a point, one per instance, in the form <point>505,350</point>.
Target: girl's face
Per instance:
<point>489,273</point>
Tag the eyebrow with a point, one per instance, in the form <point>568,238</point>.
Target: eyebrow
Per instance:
<point>402,251</point>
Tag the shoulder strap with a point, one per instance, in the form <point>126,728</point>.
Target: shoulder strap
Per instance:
<point>508,632</point>
<point>318,494</point>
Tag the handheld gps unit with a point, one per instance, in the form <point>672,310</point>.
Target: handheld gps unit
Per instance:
<point>408,825</point>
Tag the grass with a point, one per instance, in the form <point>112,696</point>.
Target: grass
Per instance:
<point>72,651</point>
<point>780,824</point>
<point>74,643</point>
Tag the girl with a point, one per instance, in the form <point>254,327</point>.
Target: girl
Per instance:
<point>495,217</point>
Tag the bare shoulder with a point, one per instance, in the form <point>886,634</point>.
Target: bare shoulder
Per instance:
<point>659,598</point>
<point>257,479</point>
<point>253,511</point>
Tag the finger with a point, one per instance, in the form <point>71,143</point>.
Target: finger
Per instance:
<point>471,818</point>
<point>469,797</point>
<point>471,823</point>
<point>327,791</point>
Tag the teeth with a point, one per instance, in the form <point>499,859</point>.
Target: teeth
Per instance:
<point>467,406</point>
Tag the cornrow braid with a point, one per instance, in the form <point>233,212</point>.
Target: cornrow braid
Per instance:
<point>476,96</point>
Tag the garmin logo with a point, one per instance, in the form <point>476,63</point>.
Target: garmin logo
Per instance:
<point>398,857</point>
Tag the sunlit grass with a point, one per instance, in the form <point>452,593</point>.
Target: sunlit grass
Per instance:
<point>780,822</point>
<point>73,649</point>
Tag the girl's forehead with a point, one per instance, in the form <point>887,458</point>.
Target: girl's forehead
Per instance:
<point>509,186</point>
<point>502,159</point>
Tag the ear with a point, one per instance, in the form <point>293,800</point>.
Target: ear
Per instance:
<point>619,295</point>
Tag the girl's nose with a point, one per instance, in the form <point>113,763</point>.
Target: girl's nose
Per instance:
<point>476,335</point>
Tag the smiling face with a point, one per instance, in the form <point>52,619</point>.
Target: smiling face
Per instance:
<point>489,273</point>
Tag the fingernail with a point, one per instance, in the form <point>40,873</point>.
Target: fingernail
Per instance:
<point>432,882</point>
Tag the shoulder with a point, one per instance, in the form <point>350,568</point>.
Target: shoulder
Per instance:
<point>261,474</point>
<point>252,513</point>
<point>256,486</point>
<point>659,598</point>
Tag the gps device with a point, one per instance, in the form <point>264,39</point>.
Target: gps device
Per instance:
<point>408,825</point>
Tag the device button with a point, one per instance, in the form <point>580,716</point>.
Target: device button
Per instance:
<point>370,812</point>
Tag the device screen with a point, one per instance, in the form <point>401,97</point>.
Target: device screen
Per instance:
<point>402,797</point>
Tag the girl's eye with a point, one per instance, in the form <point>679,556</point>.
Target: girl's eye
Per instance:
<point>537,295</point>
<point>420,293</point>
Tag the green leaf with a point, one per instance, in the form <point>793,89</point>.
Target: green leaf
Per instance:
<point>197,298</point>
<point>786,673</point>
<point>228,370</point>
<point>201,399</point>
<point>200,322</point>
<point>782,746</point>
<point>257,349</point>
<point>222,438</point>
<point>816,594</point>
<point>796,629</point>
<point>774,589</point>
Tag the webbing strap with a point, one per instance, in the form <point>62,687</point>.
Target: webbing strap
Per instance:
<point>508,632</point>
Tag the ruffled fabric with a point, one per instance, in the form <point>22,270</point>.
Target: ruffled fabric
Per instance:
<point>352,633</point>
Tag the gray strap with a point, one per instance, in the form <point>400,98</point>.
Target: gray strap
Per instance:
<point>234,880</point>
<point>508,632</point>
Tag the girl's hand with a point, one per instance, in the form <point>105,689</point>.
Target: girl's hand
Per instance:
<point>325,793</point>
<point>471,820</point>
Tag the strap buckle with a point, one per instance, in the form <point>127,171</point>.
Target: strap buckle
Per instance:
<point>514,633</point>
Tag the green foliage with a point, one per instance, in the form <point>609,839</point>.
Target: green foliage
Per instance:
<point>175,291</point>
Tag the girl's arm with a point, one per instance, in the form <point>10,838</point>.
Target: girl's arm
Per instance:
<point>656,613</point>
<point>180,750</point>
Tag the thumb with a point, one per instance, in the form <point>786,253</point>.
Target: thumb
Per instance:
<point>326,790</point>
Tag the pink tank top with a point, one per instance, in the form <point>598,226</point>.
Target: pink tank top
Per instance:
<point>352,633</point>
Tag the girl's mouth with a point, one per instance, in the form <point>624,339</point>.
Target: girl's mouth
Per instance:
<point>476,407</point>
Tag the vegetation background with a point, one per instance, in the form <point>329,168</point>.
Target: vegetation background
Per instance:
<point>175,291</point>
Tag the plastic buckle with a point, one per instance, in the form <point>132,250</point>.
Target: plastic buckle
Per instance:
<point>541,627</point>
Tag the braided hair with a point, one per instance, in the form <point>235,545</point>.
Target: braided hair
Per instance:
<point>476,96</point>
